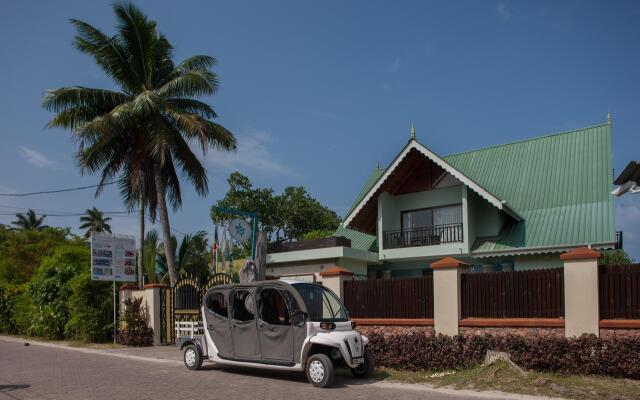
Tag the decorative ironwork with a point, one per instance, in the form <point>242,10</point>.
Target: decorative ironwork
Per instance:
<point>423,236</point>
<point>181,304</point>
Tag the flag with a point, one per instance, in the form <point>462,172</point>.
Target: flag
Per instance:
<point>214,250</point>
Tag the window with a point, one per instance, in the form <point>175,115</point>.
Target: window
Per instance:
<point>243,309</point>
<point>427,217</point>
<point>273,308</point>
<point>322,304</point>
<point>217,304</point>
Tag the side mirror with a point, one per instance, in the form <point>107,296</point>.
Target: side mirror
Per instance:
<point>298,317</point>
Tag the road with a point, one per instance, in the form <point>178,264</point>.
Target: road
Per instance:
<point>43,372</point>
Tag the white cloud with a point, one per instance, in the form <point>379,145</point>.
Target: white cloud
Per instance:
<point>253,153</point>
<point>36,158</point>
<point>504,12</point>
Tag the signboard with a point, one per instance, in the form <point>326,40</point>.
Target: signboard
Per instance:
<point>113,257</point>
<point>240,230</point>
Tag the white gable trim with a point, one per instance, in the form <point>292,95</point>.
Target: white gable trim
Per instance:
<point>499,204</point>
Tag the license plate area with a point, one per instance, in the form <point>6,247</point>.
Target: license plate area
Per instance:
<point>357,360</point>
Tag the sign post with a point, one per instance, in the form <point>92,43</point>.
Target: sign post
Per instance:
<point>113,259</point>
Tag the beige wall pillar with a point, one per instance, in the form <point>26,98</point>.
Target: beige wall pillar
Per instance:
<point>125,292</point>
<point>581,303</point>
<point>446,295</point>
<point>151,298</point>
<point>333,279</point>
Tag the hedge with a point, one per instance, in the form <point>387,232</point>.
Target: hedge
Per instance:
<point>616,356</point>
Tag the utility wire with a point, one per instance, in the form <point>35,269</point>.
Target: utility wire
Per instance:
<point>57,190</point>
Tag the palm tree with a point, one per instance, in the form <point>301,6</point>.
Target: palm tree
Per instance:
<point>150,255</point>
<point>94,220</point>
<point>141,133</point>
<point>29,220</point>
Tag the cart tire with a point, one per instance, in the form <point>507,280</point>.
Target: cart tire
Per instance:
<point>319,370</point>
<point>364,370</point>
<point>192,357</point>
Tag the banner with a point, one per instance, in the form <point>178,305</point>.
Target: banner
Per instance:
<point>113,257</point>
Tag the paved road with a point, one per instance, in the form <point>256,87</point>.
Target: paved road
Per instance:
<point>41,372</point>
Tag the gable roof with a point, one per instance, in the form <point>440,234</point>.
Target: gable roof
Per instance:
<point>559,184</point>
<point>442,163</point>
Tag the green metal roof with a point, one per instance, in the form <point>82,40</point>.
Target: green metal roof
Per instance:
<point>559,184</point>
<point>359,240</point>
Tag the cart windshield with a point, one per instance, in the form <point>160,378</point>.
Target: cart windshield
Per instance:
<point>322,304</point>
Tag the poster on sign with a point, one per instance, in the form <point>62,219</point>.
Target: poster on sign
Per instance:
<point>113,257</point>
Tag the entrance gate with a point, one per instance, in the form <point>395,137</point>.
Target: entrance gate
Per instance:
<point>180,306</point>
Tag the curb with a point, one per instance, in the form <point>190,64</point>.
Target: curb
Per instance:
<point>89,351</point>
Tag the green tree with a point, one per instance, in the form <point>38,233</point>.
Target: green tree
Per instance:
<point>94,221</point>
<point>29,220</point>
<point>284,217</point>
<point>615,257</point>
<point>141,132</point>
<point>151,243</point>
<point>192,257</point>
<point>22,251</point>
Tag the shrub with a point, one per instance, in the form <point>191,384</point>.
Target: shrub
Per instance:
<point>50,288</point>
<point>90,310</point>
<point>133,327</point>
<point>615,356</point>
<point>9,295</point>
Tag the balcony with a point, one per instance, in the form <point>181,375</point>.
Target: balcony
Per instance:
<point>423,236</point>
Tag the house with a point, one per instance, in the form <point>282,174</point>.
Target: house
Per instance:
<point>505,207</point>
<point>628,179</point>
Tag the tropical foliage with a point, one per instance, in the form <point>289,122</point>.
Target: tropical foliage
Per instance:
<point>141,133</point>
<point>133,327</point>
<point>615,257</point>
<point>285,217</point>
<point>29,220</point>
<point>22,251</point>
<point>60,300</point>
<point>192,257</point>
<point>94,221</point>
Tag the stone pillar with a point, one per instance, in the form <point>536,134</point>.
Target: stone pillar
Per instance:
<point>125,292</point>
<point>446,295</point>
<point>334,277</point>
<point>581,303</point>
<point>151,295</point>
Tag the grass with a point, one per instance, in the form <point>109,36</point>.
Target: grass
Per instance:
<point>501,377</point>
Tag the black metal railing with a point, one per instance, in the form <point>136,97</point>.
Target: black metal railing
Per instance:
<point>423,236</point>
<point>619,243</point>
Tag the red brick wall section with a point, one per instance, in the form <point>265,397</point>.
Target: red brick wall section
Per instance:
<point>630,333</point>
<point>505,331</point>
<point>388,330</point>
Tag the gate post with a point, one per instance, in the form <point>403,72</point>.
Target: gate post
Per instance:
<point>446,295</point>
<point>333,279</point>
<point>152,298</point>
<point>581,292</point>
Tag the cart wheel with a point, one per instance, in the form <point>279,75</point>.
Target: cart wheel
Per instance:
<point>192,357</point>
<point>364,370</point>
<point>320,370</point>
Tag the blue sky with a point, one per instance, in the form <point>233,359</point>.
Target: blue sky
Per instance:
<point>319,92</point>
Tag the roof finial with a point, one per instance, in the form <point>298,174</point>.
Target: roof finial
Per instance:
<point>412,133</point>
<point>609,118</point>
<point>378,165</point>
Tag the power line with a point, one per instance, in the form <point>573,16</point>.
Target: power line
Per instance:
<point>57,190</point>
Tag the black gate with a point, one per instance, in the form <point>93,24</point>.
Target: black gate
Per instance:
<point>180,306</point>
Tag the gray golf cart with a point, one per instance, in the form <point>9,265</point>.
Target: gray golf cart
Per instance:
<point>278,325</point>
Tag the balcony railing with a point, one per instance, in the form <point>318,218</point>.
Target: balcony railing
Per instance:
<point>423,236</point>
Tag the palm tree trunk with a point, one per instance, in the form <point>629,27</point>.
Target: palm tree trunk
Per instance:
<point>141,248</point>
<point>169,251</point>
